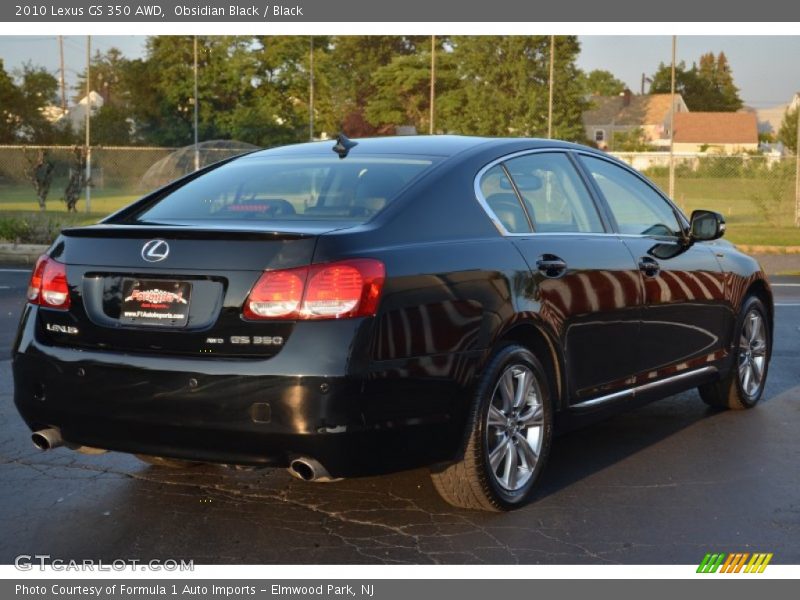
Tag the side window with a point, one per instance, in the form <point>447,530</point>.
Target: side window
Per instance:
<point>554,194</point>
<point>503,202</point>
<point>637,208</point>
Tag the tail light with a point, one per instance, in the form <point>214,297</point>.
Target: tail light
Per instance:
<point>349,288</point>
<point>48,285</point>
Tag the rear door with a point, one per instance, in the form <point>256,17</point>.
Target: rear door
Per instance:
<point>583,279</point>
<point>683,315</point>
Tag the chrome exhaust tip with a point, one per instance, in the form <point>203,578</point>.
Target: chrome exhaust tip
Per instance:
<point>309,469</point>
<point>47,439</point>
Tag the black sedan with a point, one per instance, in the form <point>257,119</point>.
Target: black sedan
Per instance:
<point>367,306</point>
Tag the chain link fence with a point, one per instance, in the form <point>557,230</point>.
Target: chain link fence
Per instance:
<point>118,174</point>
<point>749,189</point>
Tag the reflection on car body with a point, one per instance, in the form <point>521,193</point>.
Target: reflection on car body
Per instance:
<point>440,301</point>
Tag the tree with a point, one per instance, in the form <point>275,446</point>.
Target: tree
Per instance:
<point>346,69</point>
<point>601,83</point>
<point>76,180</point>
<point>788,131</point>
<point>503,87</point>
<point>40,174</point>
<point>38,89</point>
<point>402,89</point>
<point>10,102</point>
<point>111,126</point>
<point>707,87</point>
<point>634,140</point>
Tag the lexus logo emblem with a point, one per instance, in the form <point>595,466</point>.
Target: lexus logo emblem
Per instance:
<point>155,250</point>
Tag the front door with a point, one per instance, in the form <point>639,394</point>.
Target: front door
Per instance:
<point>683,315</point>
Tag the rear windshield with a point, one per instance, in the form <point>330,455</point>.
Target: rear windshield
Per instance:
<point>309,188</point>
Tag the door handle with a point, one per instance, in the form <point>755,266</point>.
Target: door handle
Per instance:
<point>649,266</point>
<point>551,265</point>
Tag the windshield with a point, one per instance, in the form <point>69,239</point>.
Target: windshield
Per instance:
<point>309,188</point>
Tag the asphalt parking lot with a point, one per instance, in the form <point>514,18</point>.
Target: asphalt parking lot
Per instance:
<point>662,484</point>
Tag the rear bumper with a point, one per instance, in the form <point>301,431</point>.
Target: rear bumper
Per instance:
<point>258,412</point>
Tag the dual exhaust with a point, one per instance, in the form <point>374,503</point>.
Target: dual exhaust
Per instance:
<point>305,468</point>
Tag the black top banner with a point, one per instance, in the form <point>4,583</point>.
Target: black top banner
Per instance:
<point>443,11</point>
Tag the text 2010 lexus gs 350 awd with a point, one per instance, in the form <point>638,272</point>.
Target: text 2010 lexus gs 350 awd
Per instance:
<point>374,305</point>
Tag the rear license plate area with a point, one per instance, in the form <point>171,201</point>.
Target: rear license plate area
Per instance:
<point>155,303</point>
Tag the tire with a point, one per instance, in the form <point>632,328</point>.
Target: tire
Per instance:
<point>743,386</point>
<point>508,428</point>
<point>170,463</point>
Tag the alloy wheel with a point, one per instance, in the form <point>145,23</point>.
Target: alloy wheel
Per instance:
<point>515,427</point>
<point>752,353</point>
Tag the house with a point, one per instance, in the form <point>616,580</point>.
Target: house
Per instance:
<point>722,132</point>
<point>770,119</point>
<point>609,115</point>
<point>75,115</point>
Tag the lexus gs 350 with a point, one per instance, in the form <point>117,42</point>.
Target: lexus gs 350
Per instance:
<point>375,305</point>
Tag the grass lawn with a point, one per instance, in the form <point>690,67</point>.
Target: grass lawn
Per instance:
<point>104,202</point>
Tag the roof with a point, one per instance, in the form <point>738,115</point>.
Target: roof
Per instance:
<point>419,145</point>
<point>770,119</point>
<point>649,109</point>
<point>716,128</point>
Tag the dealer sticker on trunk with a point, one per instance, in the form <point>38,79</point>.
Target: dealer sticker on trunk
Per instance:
<point>156,302</point>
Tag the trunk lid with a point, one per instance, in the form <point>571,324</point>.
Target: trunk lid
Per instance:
<point>183,297</point>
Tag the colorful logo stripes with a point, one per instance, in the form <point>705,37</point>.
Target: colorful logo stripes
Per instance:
<point>734,563</point>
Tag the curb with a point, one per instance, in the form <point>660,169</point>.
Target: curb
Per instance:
<point>21,254</point>
<point>756,249</point>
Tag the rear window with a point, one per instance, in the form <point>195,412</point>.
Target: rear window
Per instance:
<point>310,188</point>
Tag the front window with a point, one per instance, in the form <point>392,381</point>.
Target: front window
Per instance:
<point>637,208</point>
<point>281,188</point>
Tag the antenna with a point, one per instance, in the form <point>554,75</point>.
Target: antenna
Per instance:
<point>343,145</point>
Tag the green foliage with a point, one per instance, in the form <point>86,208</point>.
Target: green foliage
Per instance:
<point>402,89</point>
<point>503,87</point>
<point>601,83</point>
<point>708,87</point>
<point>110,126</point>
<point>721,166</point>
<point>76,182</point>
<point>630,141</point>
<point>22,99</point>
<point>40,174</point>
<point>32,228</point>
<point>788,131</point>
<point>775,195</point>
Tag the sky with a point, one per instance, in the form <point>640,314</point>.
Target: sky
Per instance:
<point>766,68</point>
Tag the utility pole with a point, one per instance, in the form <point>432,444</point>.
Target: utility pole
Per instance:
<point>311,90</point>
<point>63,85</point>
<point>433,83</point>
<point>672,125</point>
<point>196,108</point>
<point>88,123</point>
<point>550,96</point>
<point>797,164</point>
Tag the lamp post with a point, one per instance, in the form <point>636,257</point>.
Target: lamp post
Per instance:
<point>433,84</point>
<point>672,125</point>
<point>196,108</point>
<point>550,92</point>
<point>88,123</point>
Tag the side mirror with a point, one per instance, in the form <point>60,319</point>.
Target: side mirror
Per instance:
<point>707,225</point>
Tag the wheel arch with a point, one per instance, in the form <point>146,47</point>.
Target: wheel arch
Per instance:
<point>537,340</point>
<point>761,290</point>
